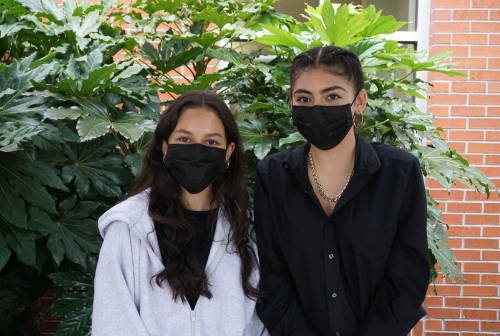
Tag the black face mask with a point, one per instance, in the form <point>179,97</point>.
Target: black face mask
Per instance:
<point>196,166</point>
<point>323,126</point>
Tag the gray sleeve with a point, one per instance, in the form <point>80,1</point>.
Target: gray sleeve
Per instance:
<point>115,312</point>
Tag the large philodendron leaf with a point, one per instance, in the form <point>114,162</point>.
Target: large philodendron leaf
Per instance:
<point>96,163</point>
<point>19,241</point>
<point>71,233</point>
<point>15,80</point>
<point>76,304</point>
<point>255,137</point>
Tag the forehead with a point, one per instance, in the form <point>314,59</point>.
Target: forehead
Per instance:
<point>317,79</point>
<point>200,120</point>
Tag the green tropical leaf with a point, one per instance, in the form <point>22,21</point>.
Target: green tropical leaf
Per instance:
<point>71,234</point>
<point>21,242</point>
<point>4,251</point>
<point>78,322</point>
<point>292,138</point>
<point>281,37</point>
<point>219,17</point>
<point>96,164</point>
<point>437,239</point>
<point>255,137</point>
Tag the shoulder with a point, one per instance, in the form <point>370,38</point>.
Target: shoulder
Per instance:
<point>387,152</point>
<point>273,160</point>
<point>130,211</point>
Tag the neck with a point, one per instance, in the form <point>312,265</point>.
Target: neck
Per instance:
<point>342,156</point>
<point>200,201</point>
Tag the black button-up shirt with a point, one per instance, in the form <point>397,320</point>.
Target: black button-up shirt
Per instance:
<point>361,271</point>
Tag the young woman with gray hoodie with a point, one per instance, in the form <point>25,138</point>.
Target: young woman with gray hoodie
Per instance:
<point>178,256</point>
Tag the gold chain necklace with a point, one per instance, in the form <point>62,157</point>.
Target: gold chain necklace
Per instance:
<point>321,191</point>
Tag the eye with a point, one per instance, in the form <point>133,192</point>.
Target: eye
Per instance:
<point>333,97</point>
<point>184,139</point>
<point>212,142</point>
<point>303,100</point>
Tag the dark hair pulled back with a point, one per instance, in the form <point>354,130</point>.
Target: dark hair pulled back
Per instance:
<point>339,61</point>
<point>185,275</point>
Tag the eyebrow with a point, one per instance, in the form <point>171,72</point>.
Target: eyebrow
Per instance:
<point>335,87</point>
<point>210,135</point>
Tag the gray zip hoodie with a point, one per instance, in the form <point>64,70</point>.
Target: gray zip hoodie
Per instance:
<point>127,302</point>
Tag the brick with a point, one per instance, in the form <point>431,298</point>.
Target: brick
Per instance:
<point>443,194</point>
<point>457,146</point>
<point>480,290</point>
<point>474,159</point>
<point>482,50</point>
<point>454,99</point>
<point>474,314</point>
<point>484,148</point>
<point>449,27</point>
<point>487,123</point>
<point>489,27</point>
<point>464,14</point>
<point>443,313</point>
<point>494,39</point>
<point>451,122</point>
<point>461,207</point>
<point>492,207</point>
<point>491,255</point>
<point>466,135</point>
<point>439,110</point>
<point>477,334</point>
<point>490,303</point>
<point>494,63</point>
<point>469,63</point>
<point>486,3</point>
<point>452,218</point>
<point>481,267</point>
<point>461,325</point>
<point>494,15</point>
<point>467,255</point>
<point>493,111</point>
<point>468,87</point>
<point>439,87</point>
<point>440,14</point>
<point>470,278</point>
<point>471,39</point>
<point>468,111</point>
<point>490,326</point>
<point>435,301</point>
<point>441,334</point>
<point>464,231</point>
<point>482,219</point>
<point>491,231</point>
<point>493,87</point>
<point>440,39</point>
<point>492,159</point>
<point>493,135</point>
<point>457,50</point>
<point>452,3</point>
<point>433,325</point>
<point>486,74</point>
<point>445,290</point>
<point>491,279</point>
<point>455,243</point>
<point>491,171</point>
<point>481,243</point>
<point>462,302</point>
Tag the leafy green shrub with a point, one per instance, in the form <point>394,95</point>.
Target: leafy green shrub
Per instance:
<point>78,103</point>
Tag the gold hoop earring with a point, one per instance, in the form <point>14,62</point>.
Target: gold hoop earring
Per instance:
<point>356,125</point>
<point>227,164</point>
<point>291,125</point>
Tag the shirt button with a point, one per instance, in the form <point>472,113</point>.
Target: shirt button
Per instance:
<point>330,256</point>
<point>305,191</point>
<point>285,165</point>
<point>334,295</point>
<point>337,333</point>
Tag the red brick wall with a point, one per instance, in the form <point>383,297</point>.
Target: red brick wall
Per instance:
<point>469,111</point>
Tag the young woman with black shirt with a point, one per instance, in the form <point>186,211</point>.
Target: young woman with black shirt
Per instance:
<point>340,222</point>
<point>178,256</point>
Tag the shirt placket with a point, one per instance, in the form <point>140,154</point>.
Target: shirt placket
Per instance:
<point>334,290</point>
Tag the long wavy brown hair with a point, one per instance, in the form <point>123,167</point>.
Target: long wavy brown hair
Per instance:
<point>183,272</point>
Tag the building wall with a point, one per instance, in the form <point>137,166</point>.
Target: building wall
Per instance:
<point>468,109</point>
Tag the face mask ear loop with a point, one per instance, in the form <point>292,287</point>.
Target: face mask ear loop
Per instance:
<point>354,116</point>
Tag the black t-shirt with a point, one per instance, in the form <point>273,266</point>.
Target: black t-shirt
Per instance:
<point>202,240</point>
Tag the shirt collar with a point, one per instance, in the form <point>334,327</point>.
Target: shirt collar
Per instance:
<point>366,163</point>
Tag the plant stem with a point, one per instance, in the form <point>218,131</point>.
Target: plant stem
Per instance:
<point>380,123</point>
<point>120,143</point>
